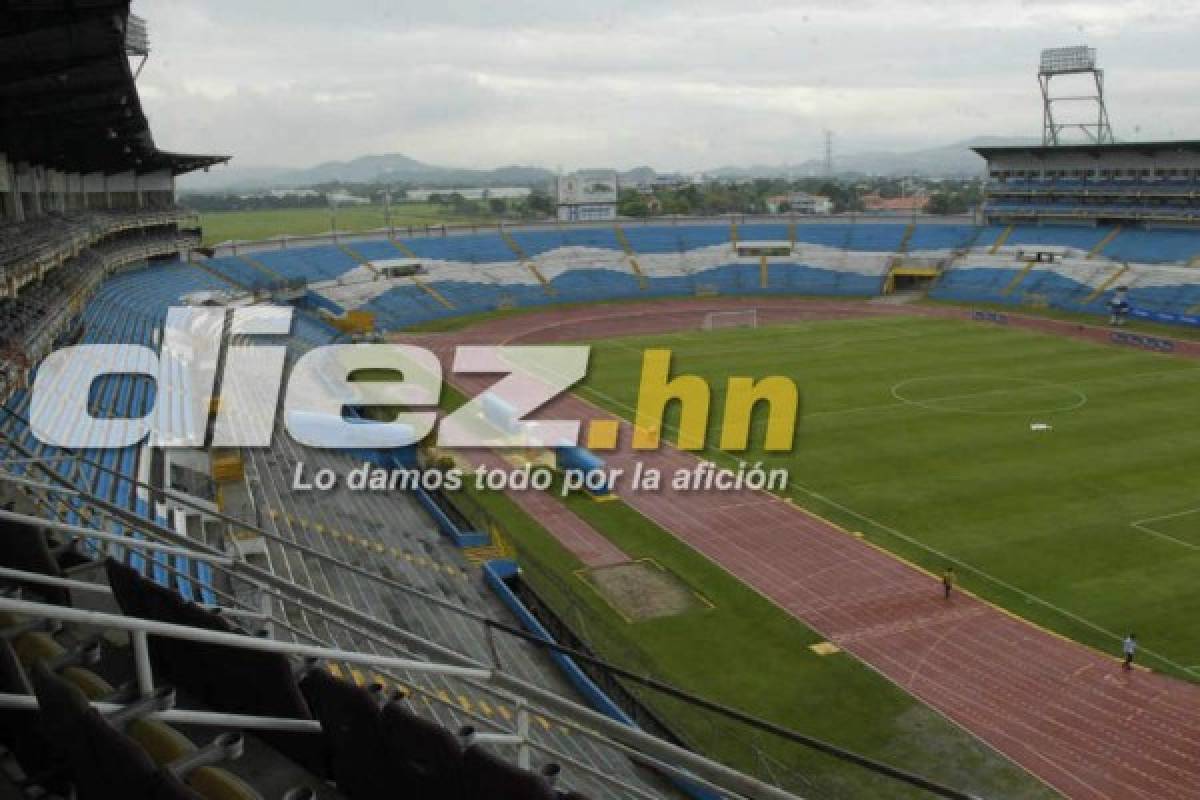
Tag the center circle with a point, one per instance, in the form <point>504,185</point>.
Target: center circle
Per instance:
<point>988,395</point>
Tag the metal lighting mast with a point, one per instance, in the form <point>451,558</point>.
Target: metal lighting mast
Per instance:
<point>1060,61</point>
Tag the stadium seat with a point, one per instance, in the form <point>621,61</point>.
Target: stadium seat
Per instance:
<point>105,763</point>
<point>428,756</point>
<point>488,775</point>
<point>19,731</point>
<point>356,755</point>
<point>228,679</point>
<point>128,756</point>
<point>24,547</point>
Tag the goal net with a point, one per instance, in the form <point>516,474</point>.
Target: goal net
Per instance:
<point>747,318</point>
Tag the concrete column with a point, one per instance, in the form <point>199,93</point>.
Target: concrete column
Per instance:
<point>18,209</point>
<point>38,187</point>
<point>8,187</point>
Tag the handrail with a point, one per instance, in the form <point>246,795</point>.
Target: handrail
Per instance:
<point>281,242</point>
<point>670,758</point>
<point>100,619</point>
<point>256,576</point>
<point>25,576</point>
<point>78,531</point>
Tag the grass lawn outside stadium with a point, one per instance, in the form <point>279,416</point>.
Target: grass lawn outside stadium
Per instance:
<point>223,226</point>
<point>916,432</point>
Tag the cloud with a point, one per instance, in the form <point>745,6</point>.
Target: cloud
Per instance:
<point>680,84</point>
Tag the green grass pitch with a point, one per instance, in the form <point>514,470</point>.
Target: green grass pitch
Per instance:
<point>917,432</point>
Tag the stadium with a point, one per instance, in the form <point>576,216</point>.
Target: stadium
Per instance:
<point>990,488</point>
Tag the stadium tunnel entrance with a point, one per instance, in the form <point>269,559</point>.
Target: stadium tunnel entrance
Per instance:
<point>911,278</point>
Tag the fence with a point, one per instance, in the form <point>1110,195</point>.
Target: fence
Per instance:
<point>578,618</point>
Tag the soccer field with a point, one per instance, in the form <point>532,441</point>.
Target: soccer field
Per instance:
<point>917,432</point>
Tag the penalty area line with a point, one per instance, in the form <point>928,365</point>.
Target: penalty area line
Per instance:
<point>1145,526</point>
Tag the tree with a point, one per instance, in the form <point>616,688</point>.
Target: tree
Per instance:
<point>631,203</point>
<point>540,203</point>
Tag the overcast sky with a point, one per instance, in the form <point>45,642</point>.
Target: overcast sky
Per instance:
<point>677,84</point>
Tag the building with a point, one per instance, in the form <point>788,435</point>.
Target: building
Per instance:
<point>1126,182</point>
<point>799,203</point>
<point>649,183</point>
<point>587,196</point>
<point>472,193</point>
<point>913,204</point>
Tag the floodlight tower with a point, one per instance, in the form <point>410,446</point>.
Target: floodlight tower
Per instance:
<point>1080,60</point>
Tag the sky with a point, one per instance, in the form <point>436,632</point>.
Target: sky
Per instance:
<point>676,84</point>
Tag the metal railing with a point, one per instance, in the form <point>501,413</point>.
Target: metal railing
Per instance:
<point>374,629</point>
<point>663,756</point>
<point>287,241</point>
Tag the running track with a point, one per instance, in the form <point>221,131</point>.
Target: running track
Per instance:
<point>1066,713</point>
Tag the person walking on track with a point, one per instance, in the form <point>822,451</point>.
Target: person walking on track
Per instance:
<point>1129,646</point>
<point>948,580</point>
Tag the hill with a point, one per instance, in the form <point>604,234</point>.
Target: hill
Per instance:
<point>390,167</point>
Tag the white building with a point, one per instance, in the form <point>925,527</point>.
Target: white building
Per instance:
<point>800,203</point>
<point>587,196</point>
<point>472,193</point>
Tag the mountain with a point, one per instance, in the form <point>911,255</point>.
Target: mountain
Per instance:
<point>391,167</point>
<point>948,161</point>
<point>953,160</point>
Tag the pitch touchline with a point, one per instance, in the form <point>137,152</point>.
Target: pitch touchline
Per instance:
<point>1028,596</point>
<point>905,404</point>
<point>820,347</point>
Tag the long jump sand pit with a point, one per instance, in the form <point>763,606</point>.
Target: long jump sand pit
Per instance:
<point>641,590</point>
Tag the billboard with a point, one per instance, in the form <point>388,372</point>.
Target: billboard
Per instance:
<point>588,187</point>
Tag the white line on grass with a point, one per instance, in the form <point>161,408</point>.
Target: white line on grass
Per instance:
<point>896,533</point>
<point>931,404</point>
<point>1144,526</point>
<point>1027,596</point>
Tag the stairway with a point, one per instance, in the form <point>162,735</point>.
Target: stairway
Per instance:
<point>432,292</point>
<point>221,277</point>
<point>523,257</point>
<point>1001,239</point>
<point>357,256</point>
<point>263,268</point>
<point>403,249</point>
<point>1105,242</point>
<point>1102,288</point>
<point>1016,281</point>
<point>631,256</point>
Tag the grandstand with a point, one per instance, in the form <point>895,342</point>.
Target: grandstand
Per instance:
<point>1124,183</point>
<point>470,271</point>
<point>182,622</point>
<point>170,633</point>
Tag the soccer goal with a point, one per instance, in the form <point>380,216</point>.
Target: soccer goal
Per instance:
<point>747,318</point>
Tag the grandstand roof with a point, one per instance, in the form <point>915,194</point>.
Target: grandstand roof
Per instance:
<point>68,99</point>
<point>1041,151</point>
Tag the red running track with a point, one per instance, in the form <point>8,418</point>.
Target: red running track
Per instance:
<point>1065,712</point>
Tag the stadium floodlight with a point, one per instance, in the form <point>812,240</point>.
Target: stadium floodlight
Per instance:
<point>1065,60</point>
<point>1077,60</point>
